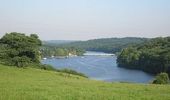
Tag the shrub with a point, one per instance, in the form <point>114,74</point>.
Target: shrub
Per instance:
<point>161,78</point>
<point>21,61</point>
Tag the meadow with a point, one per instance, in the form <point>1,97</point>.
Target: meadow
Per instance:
<point>36,84</point>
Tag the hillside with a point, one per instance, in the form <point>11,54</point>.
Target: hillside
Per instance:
<point>56,42</point>
<point>152,56</point>
<point>36,84</point>
<point>110,45</point>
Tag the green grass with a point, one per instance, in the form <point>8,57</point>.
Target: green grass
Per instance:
<point>37,84</point>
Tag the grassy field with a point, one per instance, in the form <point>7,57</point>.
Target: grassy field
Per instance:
<point>36,84</point>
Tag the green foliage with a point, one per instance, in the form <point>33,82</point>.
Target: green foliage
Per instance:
<point>48,51</point>
<point>20,61</point>
<point>33,84</point>
<point>152,56</point>
<point>110,45</point>
<point>19,50</point>
<point>161,78</point>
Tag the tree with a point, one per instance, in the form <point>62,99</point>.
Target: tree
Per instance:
<point>161,78</point>
<point>19,49</point>
<point>152,56</point>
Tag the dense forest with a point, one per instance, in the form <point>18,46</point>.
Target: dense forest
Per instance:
<point>152,56</point>
<point>109,45</point>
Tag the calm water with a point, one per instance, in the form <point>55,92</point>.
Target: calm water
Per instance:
<point>100,68</point>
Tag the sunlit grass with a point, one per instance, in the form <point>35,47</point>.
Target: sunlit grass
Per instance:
<point>36,84</point>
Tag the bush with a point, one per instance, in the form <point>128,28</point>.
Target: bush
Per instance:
<point>21,61</point>
<point>161,78</point>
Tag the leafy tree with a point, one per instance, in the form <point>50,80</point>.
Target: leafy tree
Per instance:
<point>48,51</point>
<point>161,78</point>
<point>60,52</point>
<point>19,50</point>
<point>21,61</point>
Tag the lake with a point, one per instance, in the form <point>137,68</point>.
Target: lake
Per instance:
<point>100,66</point>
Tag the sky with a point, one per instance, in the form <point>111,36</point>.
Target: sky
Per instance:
<point>86,19</point>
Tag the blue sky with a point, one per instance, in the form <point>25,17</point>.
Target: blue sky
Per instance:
<point>86,19</point>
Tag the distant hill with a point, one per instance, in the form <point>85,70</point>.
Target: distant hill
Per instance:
<point>57,42</point>
<point>111,45</point>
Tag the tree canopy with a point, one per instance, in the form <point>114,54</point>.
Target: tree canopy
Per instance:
<point>110,45</point>
<point>152,56</point>
<point>19,50</point>
<point>48,51</point>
